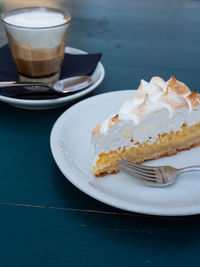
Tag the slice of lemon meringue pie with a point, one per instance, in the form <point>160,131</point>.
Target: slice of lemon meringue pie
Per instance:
<point>161,119</point>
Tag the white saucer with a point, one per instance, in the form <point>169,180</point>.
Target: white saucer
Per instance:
<point>97,76</point>
<point>73,154</point>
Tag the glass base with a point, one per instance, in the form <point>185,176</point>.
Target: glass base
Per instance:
<point>47,80</point>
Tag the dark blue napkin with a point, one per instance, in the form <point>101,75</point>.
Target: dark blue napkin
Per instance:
<point>73,65</point>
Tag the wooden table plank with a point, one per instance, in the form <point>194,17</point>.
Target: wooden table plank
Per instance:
<point>49,237</point>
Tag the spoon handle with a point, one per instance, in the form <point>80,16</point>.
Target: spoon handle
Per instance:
<point>18,84</point>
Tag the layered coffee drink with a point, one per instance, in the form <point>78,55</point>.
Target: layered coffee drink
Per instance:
<point>37,37</point>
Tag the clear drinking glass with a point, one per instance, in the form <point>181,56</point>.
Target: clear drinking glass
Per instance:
<point>37,49</point>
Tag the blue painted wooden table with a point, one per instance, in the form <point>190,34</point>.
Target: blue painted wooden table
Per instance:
<point>45,220</point>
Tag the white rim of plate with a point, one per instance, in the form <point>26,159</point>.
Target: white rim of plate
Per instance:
<point>61,100</point>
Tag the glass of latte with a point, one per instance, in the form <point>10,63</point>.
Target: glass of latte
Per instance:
<point>37,37</point>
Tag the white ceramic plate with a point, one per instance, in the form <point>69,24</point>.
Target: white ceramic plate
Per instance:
<point>73,153</point>
<point>97,76</point>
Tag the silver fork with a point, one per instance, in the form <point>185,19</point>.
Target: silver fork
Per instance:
<point>155,175</point>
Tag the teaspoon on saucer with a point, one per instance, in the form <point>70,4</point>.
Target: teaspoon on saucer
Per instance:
<point>64,86</point>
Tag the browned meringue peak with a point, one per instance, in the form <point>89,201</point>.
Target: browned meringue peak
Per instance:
<point>177,87</point>
<point>143,105</point>
<point>141,111</point>
<point>194,99</point>
<point>173,101</point>
<point>109,124</point>
<point>153,91</point>
<point>158,81</point>
<point>97,129</point>
<point>112,121</point>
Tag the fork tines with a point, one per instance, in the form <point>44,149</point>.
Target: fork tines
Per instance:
<point>143,173</point>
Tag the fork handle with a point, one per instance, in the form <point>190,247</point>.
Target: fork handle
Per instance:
<point>189,169</point>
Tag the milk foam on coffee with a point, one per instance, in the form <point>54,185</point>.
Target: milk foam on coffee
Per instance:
<point>36,18</point>
<point>30,28</point>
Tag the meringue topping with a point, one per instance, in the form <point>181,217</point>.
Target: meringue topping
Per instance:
<point>158,107</point>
